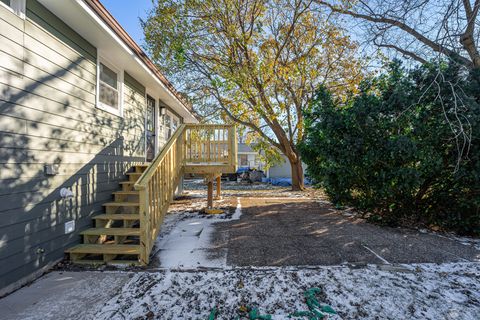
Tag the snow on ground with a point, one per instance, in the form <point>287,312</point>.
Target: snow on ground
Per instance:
<point>420,291</point>
<point>185,239</point>
<point>189,283</point>
<point>467,241</point>
<point>197,187</point>
<point>199,184</point>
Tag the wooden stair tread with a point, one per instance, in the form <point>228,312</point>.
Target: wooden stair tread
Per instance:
<point>109,262</point>
<point>118,216</point>
<point>134,173</point>
<point>127,192</point>
<point>127,182</point>
<point>105,249</point>
<point>112,232</point>
<point>121,204</point>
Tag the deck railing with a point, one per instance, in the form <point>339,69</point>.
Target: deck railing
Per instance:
<point>191,146</point>
<point>209,144</point>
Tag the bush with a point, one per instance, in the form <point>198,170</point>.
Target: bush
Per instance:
<point>396,149</point>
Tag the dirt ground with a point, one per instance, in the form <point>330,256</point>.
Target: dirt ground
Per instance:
<point>281,232</point>
<point>278,227</point>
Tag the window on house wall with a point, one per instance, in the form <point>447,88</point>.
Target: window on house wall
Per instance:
<point>243,160</point>
<point>110,84</point>
<point>17,6</point>
<point>168,126</point>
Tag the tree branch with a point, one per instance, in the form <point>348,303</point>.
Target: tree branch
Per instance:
<point>467,39</point>
<point>403,26</point>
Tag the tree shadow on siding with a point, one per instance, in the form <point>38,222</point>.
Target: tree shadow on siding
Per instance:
<point>90,148</point>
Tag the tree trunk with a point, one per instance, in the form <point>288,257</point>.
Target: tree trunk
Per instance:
<point>297,175</point>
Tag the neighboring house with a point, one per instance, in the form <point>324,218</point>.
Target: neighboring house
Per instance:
<point>283,169</point>
<point>79,104</point>
<point>249,158</point>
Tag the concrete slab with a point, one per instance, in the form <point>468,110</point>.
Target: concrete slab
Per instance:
<point>63,295</point>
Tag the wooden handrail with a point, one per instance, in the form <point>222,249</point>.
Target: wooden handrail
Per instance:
<point>147,174</point>
<point>215,145</point>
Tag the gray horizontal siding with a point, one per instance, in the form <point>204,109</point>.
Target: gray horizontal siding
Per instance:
<point>48,115</point>
<point>134,85</point>
<point>24,268</point>
<point>38,197</point>
<point>60,31</point>
<point>31,170</point>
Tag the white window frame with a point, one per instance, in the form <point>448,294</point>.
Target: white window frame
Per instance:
<point>19,7</point>
<point>120,75</point>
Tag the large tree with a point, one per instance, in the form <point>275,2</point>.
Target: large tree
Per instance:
<point>419,29</point>
<point>255,62</point>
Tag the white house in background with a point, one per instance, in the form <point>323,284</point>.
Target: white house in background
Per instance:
<point>249,158</point>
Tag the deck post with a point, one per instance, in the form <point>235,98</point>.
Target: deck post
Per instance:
<point>210,194</point>
<point>218,196</point>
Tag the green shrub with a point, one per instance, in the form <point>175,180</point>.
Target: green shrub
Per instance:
<point>397,150</point>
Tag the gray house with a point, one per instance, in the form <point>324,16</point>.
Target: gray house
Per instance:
<point>80,103</point>
<point>249,158</point>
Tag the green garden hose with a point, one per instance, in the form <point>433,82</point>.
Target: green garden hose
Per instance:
<point>316,310</point>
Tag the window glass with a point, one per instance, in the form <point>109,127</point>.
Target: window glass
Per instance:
<point>108,76</point>
<point>108,96</point>
<point>150,114</point>
<point>18,6</point>
<point>168,127</point>
<point>244,160</point>
<point>108,85</point>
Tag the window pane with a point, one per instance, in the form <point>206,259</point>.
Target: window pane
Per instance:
<point>244,160</point>
<point>168,127</point>
<point>108,76</point>
<point>150,114</point>
<point>7,2</point>
<point>108,95</point>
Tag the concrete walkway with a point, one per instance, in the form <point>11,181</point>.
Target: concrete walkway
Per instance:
<point>63,295</point>
<point>292,232</point>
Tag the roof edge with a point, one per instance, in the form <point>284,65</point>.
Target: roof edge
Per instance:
<point>115,26</point>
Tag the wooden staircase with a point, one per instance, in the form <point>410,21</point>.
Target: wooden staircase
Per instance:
<point>127,231</point>
<point>115,238</point>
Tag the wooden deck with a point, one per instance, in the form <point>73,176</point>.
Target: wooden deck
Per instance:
<point>127,230</point>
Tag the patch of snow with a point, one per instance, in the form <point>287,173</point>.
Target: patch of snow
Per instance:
<point>429,291</point>
<point>199,184</point>
<point>238,210</point>
<point>473,242</point>
<point>185,240</point>
<point>466,241</point>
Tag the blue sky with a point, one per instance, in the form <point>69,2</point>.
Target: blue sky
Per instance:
<point>127,13</point>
